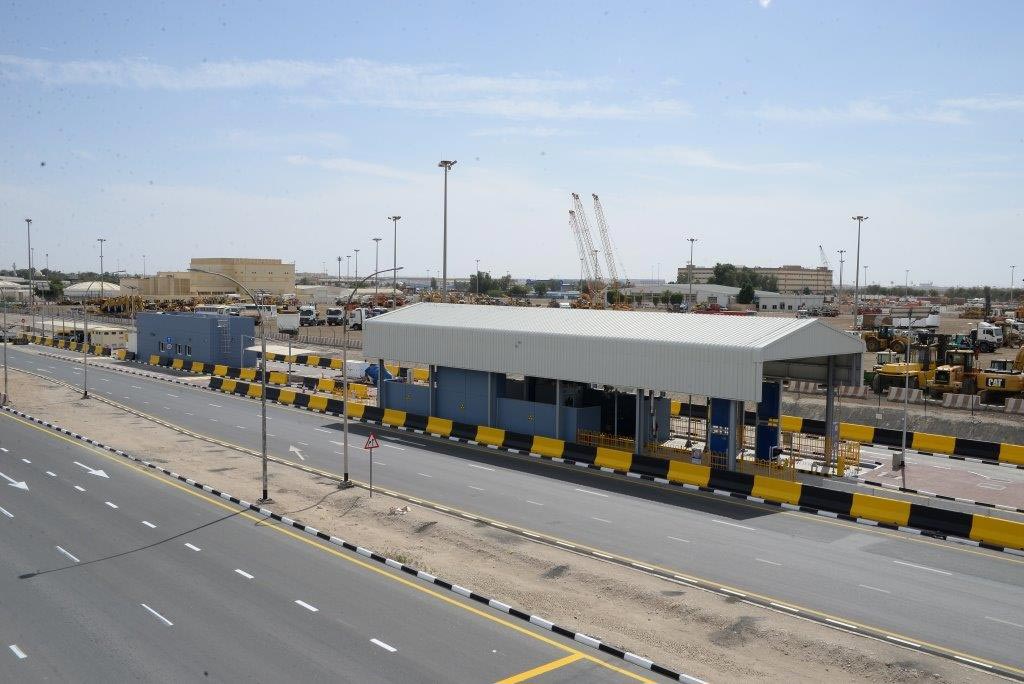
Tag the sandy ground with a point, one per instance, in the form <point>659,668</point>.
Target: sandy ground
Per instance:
<point>716,638</point>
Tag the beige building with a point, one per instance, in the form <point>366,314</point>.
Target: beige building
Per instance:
<point>258,275</point>
<point>790,278</point>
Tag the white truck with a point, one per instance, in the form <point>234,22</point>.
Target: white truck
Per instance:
<point>288,322</point>
<point>357,317</point>
<point>988,337</point>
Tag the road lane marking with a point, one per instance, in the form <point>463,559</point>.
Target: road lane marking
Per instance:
<point>213,420</point>
<point>6,512</point>
<point>479,489</point>
<point>769,562</point>
<point>4,450</point>
<point>303,444</point>
<point>922,567</point>
<point>541,669</point>
<point>535,503</point>
<point>172,395</point>
<point>158,615</point>
<point>841,624</point>
<point>17,651</point>
<point>51,473</point>
<point>243,573</point>
<point>112,505</point>
<point>732,524</point>
<point>216,406</point>
<point>868,586</point>
<point>587,491</point>
<point>67,553</point>
<point>25,460</point>
<point>902,641</point>
<point>474,465</point>
<point>149,524</point>
<point>136,387</point>
<point>600,519</point>
<point>312,609</point>
<point>192,546</point>
<point>685,541</point>
<point>424,475</point>
<point>386,647</point>
<point>242,427</point>
<point>1005,622</point>
<point>392,446</point>
<point>322,430</point>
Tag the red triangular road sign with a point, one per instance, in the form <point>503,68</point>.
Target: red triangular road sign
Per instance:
<point>371,442</point>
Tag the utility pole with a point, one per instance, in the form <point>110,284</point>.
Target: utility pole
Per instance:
<point>339,270</point>
<point>394,255</point>
<point>101,241</point>
<point>839,295</point>
<point>689,308</point>
<point>6,334</point>
<point>348,266</point>
<point>856,287</point>
<point>48,265</point>
<point>1012,269</point>
<point>477,277</point>
<point>357,262</point>
<point>376,269</point>
<point>447,166</point>
<point>31,286</point>
<point>906,283</point>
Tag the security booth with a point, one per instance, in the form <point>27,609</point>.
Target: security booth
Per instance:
<point>555,372</point>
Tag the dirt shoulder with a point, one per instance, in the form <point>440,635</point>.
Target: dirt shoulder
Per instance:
<point>715,638</point>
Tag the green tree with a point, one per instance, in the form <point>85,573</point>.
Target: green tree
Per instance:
<point>676,298</point>
<point>56,292</point>
<point>746,294</point>
<point>433,283</point>
<point>540,287</point>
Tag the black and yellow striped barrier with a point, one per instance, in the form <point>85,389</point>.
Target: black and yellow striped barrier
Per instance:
<point>418,374</point>
<point>94,349</point>
<point>946,445</point>
<point>221,370</point>
<point>991,532</point>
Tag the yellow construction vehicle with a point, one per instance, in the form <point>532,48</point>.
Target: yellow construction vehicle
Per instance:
<point>1002,380</point>
<point>956,375</point>
<point>885,338</point>
<point>920,371</point>
<point>881,358</point>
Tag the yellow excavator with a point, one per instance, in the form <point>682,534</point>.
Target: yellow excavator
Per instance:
<point>885,338</point>
<point>920,371</point>
<point>1002,380</point>
<point>956,375</point>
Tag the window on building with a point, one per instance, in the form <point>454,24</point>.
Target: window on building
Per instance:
<point>774,307</point>
<point>177,349</point>
<point>160,346</point>
<point>188,350</point>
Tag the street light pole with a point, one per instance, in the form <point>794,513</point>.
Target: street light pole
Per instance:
<point>3,294</point>
<point>357,262</point>
<point>906,283</point>
<point>263,373</point>
<point>477,277</point>
<point>348,266</point>
<point>339,270</point>
<point>1012,269</point>
<point>345,484</point>
<point>31,287</point>
<point>376,266</point>
<point>689,308</point>
<point>394,276</point>
<point>447,166</point>
<point>85,339</point>
<point>101,241</point>
<point>839,295</point>
<point>856,287</point>
<point>143,265</point>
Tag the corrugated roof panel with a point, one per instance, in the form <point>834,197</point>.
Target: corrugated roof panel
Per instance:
<point>699,353</point>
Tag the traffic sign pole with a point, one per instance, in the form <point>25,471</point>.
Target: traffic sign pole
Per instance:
<point>371,444</point>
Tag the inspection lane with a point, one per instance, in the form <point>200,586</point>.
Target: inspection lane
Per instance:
<point>90,593</point>
<point>815,555</point>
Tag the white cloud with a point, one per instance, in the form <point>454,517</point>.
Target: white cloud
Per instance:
<point>863,111</point>
<point>764,3</point>
<point>355,167</point>
<point>428,87</point>
<point>677,155</point>
<point>988,103</point>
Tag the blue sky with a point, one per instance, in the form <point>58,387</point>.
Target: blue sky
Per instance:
<point>295,129</point>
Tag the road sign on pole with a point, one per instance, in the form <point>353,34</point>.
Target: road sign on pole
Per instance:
<point>371,444</point>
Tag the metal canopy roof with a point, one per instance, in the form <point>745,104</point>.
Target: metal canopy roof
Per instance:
<point>706,354</point>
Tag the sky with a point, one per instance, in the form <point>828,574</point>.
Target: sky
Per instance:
<point>294,130</point>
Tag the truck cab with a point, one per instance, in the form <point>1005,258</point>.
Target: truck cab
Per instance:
<point>335,315</point>
<point>357,317</point>
<point>308,316</point>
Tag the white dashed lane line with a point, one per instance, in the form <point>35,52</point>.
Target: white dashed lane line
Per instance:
<point>535,503</point>
<point>243,573</point>
<point>685,541</point>
<point>769,562</point>
<point>922,567</point>
<point>67,553</point>
<point>158,615</point>
<point>51,473</point>
<point>192,546</point>
<point>25,460</point>
<point>473,465</point>
<point>6,512</point>
<point>587,491</point>
<point>312,609</point>
<point>112,505</point>
<point>730,524</point>
<point>1005,622</point>
<point>17,651</point>
<point>386,647</point>
<point>601,520</point>
<point>149,524</point>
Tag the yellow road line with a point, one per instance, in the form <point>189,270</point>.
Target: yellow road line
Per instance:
<point>540,669</point>
<point>335,552</point>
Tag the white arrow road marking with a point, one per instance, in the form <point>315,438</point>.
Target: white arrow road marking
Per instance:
<point>158,615</point>
<point>14,483</point>
<point>92,471</point>
<point>386,647</point>
<point>297,451</point>
<point>66,553</point>
<point>17,651</point>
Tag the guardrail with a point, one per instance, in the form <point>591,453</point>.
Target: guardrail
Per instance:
<point>996,533</point>
<point>947,445</point>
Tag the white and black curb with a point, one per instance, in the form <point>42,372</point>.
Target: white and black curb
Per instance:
<point>578,637</point>
<point>944,497</point>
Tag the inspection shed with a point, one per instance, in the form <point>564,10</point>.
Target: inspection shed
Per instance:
<point>554,371</point>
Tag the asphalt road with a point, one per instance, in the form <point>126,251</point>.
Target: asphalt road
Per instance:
<point>959,598</point>
<point>133,576</point>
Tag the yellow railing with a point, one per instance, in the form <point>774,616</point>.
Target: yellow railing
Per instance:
<point>600,439</point>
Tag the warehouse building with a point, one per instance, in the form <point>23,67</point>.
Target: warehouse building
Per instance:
<point>270,276</point>
<point>552,372</point>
